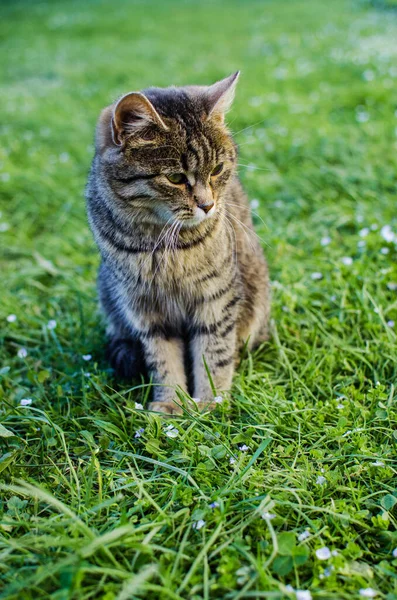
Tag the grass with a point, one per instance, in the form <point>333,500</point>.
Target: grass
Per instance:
<point>97,501</point>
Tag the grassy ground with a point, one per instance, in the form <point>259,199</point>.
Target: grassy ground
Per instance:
<point>289,492</point>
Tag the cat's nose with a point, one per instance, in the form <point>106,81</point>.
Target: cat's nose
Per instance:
<point>206,207</point>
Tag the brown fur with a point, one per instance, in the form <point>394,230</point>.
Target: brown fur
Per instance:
<point>183,280</point>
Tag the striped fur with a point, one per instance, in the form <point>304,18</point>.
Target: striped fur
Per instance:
<point>179,282</point>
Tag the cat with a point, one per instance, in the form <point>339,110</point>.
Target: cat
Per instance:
<point>183,280</point>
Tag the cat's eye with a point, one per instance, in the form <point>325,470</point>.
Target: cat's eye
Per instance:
<point>218,169</point>
<point>177,178</point>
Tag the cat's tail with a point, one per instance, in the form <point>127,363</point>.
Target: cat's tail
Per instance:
<point>126,357</point>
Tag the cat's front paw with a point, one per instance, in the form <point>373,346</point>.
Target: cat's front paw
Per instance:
<point>167,407</point>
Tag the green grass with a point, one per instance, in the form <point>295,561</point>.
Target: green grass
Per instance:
<point>87,508</point>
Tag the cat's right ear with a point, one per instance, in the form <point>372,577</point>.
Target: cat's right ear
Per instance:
<point>132,114</point>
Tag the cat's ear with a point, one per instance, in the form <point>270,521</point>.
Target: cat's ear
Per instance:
<point>220,95</point>
<point>132,114</point>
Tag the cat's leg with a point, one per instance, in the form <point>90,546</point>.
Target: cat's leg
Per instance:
<point>165,364</point>
<point>215,347</point>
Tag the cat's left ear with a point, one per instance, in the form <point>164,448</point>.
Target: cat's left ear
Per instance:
<point>220,96</point>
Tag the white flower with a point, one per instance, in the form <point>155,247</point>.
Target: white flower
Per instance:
<point>378,463</point>
<point>303,595</point>
<point>340,406</point>
<point>387,234</point>
<point>394,553</point>
<point>4,227</point>
<point>361,244</point>
<point>289,589</point>
<point>304,535</point>
<point>26,401</point>
<point>316,275</point>
<point>11,318</point>
<point>323,553</point>
<point>390,323</point>
<point>139,432</point>
<point>218,399</point>
<point>214,504</point>
<point>368,75</point>
<point>392,286</point>
<point>254,203</point>
<point>364,232</point>
<point>374,226</point>
<point>243,448</point>
<point>320,480</point>
<point>325,240</point>
<point>362,116</point>
<point>347,260</point>
<point>232,461</point>
<point>384,250</point>
<point>172,432</point>
<point>268,516</point>
<point>334,553</point>
<point>86,357</point>
<point>138,406</point>
<point>368,592</point>
<point>199,524</point>
<point>51,324</point>
<point>22,353</point>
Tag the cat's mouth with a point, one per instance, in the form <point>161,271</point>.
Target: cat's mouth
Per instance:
<point>198,217</point>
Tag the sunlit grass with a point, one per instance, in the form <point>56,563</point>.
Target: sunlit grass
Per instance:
<point>97,499</point>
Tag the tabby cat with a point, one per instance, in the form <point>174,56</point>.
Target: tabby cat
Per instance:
<point>183,281</point>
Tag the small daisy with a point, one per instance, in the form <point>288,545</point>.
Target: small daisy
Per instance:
<point>304,535</point>
<point>172,432</point>
<point>347,260</point>
<point>387,234</point>
<point>199,524</point>
<point>22,353</point>
<point>316,275</point>
<point>320,480</point>
<point>26,401</point>
<point>368,592</point>
<point>384,250</point>
<point>390,323</point>
<point>138,406</point>
<point>11,318</point>
<point>325,241</point>
<point>364,232</point>
<point>86,357</point>
<point>51,324</point>
<point>232,461</point>
<point>323,553</point>
<point>361,244</point>
<point>378,463</point>
<point>303,595</point>
<point>267,516</point>
<point>244,448</point>
<point>362,116</point>
<point>139,432</point>
<point>340,406</point>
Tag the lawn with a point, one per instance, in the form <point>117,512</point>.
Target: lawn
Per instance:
<point>290,490</point>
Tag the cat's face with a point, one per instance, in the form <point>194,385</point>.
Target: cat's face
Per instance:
<point>166,153</point>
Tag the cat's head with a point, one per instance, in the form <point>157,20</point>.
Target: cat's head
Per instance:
<point>167,154</point>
